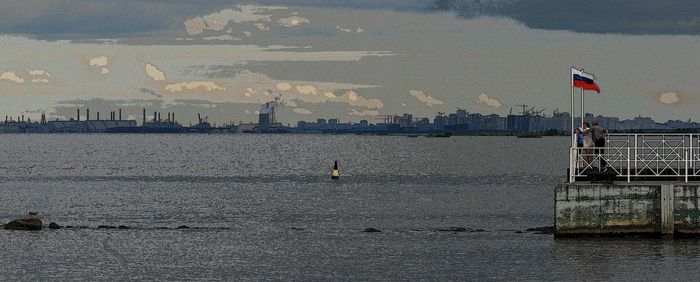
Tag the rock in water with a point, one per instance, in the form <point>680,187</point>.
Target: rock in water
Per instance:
<point>542,230</point>
<point>452,229</point>
<point>27,223</point>
<point>372,230</point>
<point>183,227</point>
<point>54,225</point>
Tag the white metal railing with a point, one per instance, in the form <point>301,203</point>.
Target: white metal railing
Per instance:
<point>640,156</point>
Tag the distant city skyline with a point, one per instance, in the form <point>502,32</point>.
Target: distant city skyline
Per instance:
<point>348,59</point>
<point>459,122</point>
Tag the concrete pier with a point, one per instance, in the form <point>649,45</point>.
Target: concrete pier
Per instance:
<point>644,208</point>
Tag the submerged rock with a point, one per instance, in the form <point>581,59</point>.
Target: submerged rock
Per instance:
<point>30,222</point>
<point>123,227</point>
<point>452,229</point>
<point>54,225</point>
<point>183,227</point>
<point>106,227</point>
<point>371,230</point>
<point>542,230</point>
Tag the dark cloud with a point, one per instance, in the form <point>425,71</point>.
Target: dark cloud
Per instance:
<point>76,19</point>
<point>593,16</point>
<point>150,92</point>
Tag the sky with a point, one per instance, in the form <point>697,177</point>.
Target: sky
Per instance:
<point>353,59</point>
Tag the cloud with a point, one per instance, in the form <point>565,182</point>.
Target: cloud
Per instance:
<point>292,21</point>
<point>193,85</point>
<point>669,98</point>
<point>302,111</point>
<point>261,26</point>
<point>11,76</point>
<point>220,20</point>
<point>150,92</point>
<point>224,37</point>
<point>489,101</point>
<point>39,76</point>
<point>425,99</point>
<point>100,63</point>
<point>113,18</point>
<point>350,30</point>
<point>354,99</point>
<point>154,72</point>
<point>330,95</point>
<point>37,72</point>
<point>343,29</point>
<point>601,16</point>
<point>306,89</point>
<point>283,86</point>
<point>354,112</point>
<point>247,33</point>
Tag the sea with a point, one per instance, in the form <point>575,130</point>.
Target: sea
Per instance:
<point>263,207</point>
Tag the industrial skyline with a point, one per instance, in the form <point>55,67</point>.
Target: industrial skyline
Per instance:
<point>459,122</point>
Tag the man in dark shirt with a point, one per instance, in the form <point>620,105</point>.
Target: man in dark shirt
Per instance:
<point>598,136</point>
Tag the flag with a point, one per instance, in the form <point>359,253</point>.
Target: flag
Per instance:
<point>584,80</point>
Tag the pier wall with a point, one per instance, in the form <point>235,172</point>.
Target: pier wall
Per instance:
<point>628,208</point>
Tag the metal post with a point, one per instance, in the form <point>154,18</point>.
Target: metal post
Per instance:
<point>628,165</point>
<point>636,172</point>
<point>572,165</point>
<point>686,165</point>
<point>692,158</point>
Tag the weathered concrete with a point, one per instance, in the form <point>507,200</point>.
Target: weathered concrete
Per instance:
<point>653,209</point>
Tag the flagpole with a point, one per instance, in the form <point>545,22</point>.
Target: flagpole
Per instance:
<point>583,112</point>
<point>573,136</point>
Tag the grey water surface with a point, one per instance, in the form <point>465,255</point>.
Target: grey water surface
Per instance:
<point>264,208</point>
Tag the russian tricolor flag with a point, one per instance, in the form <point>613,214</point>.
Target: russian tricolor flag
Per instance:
<point>584,80</point>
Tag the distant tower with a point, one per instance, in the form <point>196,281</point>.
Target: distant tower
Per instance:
<point>267,114</point>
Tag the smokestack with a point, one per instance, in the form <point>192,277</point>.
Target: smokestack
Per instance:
<point>144,117</point>
<point>78,119</point>
<point>155,116</point>
<point>173,116</point>
<point>98,115</point>
<point>120,114</point>
<point>22,118</point>
<point>87,114</point>
<point>158,117</point>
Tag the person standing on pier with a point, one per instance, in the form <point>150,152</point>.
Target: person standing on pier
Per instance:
<point>579,137</point>
<point>598,135</point>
